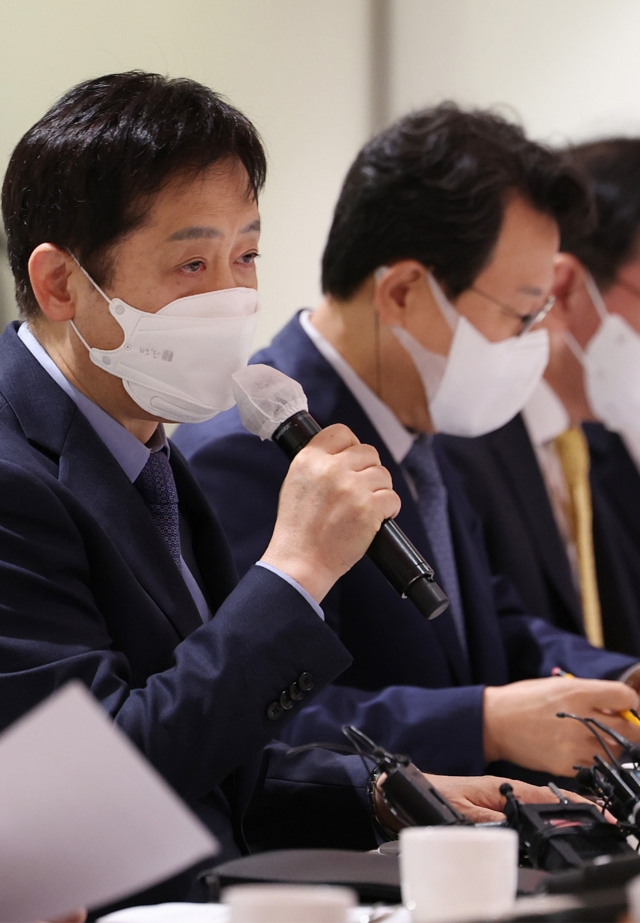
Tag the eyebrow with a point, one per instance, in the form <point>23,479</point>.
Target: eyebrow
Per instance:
<point>195,232</point>
<point>531,290</point>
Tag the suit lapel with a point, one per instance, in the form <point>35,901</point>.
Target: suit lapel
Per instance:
<point>515,456</point>
<point>53,424</point>
<point>332,402</point>
<point>93,475</point>
<point>487,664</point>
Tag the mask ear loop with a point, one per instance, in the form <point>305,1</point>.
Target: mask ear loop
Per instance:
<point>84,271</point>
<point>598,302</point>
<point>575,348</point>
<point>97,288</point>
<point>446,308</point>
<point>596,296</point>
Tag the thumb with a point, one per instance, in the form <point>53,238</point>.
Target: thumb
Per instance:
<point>613,696</point>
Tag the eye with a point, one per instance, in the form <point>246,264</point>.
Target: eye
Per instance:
<point>248,259</point>
<point>193,267</point>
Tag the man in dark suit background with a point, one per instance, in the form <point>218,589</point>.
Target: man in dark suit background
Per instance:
<point>517,477</point>
<point>440,255</point>
<point>132,226</point>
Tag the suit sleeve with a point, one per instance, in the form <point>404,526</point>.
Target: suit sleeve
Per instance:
<point>197,720</point>
<point>441,729</point>
<point>317,800</point>
<point>534,646</point>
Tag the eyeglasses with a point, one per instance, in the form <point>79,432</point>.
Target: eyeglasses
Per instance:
<point>527,321</point>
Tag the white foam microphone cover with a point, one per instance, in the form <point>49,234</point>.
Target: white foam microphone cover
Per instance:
<point>266,398</point>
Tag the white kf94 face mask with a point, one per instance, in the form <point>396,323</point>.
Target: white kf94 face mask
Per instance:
<point>177,364</point>
<point>480,385</point>
<point>611,361</point>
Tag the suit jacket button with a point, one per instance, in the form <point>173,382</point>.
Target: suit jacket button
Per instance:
<point>285,701</point>
<point>296,692</point>
<point>306,682</point>
<point>274,711</point>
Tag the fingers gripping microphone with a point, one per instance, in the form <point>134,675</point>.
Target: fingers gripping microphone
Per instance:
<point>274,406</point>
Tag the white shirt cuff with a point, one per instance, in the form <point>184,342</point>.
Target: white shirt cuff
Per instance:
<point>294,583</point>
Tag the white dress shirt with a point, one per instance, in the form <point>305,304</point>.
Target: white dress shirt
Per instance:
<point>397,439</point>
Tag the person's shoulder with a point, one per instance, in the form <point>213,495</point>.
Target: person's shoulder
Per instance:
<point>15,447</point>
<point>482,452</point>
<point>28,470</point>
<point>191,438</point>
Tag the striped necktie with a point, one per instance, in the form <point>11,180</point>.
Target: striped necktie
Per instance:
<point>573,452</point>
<point>422,466</point>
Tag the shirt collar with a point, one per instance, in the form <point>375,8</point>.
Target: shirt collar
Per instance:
<point>397,439</point>
<point>545,415</point>
<point>128,451</point>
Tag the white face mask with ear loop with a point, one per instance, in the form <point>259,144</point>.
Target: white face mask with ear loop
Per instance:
<point>177,363</point>
<point>480,385</point>
<point>611,363</point>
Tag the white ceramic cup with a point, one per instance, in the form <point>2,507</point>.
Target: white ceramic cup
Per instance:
<point>633,896</point>
<point>458,873</point>
<point>289,903</point>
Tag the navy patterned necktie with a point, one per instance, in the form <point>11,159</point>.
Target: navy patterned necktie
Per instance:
<point>422,466</point>
<point>157,488</point>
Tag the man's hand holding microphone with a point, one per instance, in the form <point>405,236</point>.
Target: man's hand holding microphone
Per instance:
<point>332,503</point>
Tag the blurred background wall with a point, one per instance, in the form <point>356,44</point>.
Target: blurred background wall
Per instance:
<point>569,68</point>
<point>297,68</point>
<point>318,76</point>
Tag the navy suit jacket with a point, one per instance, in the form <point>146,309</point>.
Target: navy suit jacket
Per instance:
<point>505,485</point>
<point>409,685</point>
<point>88,590</point>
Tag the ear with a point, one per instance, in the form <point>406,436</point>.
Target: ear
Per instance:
<point>398,289</point>
<point>568,282</point>
<point>50,271</point>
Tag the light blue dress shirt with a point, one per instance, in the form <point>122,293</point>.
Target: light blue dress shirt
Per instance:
<point>132,455</point>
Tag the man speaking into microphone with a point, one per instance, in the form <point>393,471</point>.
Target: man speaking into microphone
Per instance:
<point>132,224</point>
<point>437,270</point>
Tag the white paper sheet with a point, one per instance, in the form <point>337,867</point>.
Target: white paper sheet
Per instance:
<point>84,818</point>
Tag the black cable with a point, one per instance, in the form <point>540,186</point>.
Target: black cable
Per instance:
<point>585,722</point>
<point>624,742</point>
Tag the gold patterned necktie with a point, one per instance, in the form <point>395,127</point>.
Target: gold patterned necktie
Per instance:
<point>573,452</point>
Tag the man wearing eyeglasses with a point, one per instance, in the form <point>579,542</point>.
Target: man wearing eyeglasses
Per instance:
<point>569,537</point>
<point>438,264</point>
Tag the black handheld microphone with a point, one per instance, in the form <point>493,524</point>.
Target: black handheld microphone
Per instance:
<point>274,406</point>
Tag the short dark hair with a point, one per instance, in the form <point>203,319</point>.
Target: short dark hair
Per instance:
<point>83,175</point>
<point>612,167</point>
<point>433,188</point>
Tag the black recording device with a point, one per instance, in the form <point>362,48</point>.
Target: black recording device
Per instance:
<point>615,780</point>
<point>404,789</point>
<point>553,837</point>
<point>561,836</point>
<point>264,398</point>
